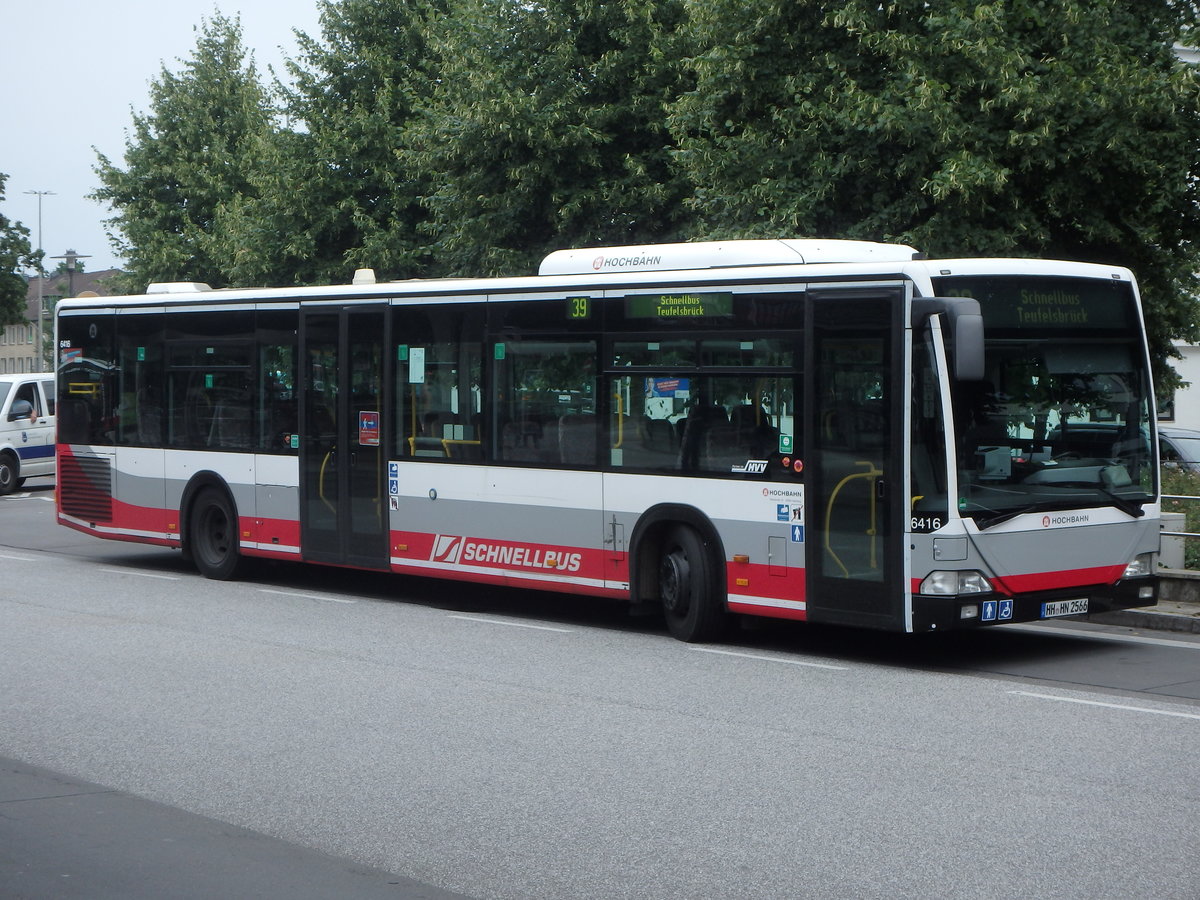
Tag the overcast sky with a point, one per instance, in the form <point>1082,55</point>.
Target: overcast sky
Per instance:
<point>72,71</point>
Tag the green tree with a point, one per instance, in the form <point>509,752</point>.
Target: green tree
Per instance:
<point>15,254</point>
<point>546,130</point>
<point>334,194</point>
<point>189,156</point>
<point>1012,127</point>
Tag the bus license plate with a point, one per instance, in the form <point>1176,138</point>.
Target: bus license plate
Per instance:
<point>1064,608</point>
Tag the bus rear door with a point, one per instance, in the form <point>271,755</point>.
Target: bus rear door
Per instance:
<point>343,482</point>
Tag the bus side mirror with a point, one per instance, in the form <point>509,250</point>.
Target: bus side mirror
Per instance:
<point>965,325</point>
<point>20,409</point>
<point>968,347</point>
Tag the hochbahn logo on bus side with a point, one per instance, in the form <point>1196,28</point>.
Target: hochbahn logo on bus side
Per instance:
<point>453,549</point>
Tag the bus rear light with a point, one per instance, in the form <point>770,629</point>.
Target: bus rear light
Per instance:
<point>945,583</point>
<point>1143,564</point>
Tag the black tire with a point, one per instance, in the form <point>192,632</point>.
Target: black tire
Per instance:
<point>213,535</point>
<point>688,587</point>
<point>9,481</point>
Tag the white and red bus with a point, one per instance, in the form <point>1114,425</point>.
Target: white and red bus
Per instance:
<point>831,431</point>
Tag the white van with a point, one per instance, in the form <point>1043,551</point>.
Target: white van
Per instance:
<point>26,428</point>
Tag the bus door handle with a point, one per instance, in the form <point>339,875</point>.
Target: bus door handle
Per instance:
<point>880,490</point>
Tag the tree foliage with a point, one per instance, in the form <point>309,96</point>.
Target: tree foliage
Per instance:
<point>1012,127</point>
<point>334,193</point>
<point>15,254</point>
<point>188,157</point>
<point>546,130</point>
<point>425,137</point>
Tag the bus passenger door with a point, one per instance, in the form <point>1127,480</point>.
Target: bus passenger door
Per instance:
<point>343,504</point>
<point>852,456</point>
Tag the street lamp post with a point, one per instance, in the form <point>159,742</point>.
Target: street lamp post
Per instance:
<point>71,258</point>
<point>41,278</point>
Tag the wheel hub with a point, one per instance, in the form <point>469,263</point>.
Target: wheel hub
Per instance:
<point>673,577</point>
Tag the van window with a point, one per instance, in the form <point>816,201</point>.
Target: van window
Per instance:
<point>28,391</point>
<point>48,390</point>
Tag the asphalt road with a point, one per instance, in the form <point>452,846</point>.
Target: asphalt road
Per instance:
<point>500,744</point>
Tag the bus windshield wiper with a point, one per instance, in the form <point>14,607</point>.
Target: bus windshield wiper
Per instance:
<point>1126,505</point>
<point>996,517</point>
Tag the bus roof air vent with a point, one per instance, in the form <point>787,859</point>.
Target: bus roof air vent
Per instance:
<point>718,254</point>
<point>176,287</point>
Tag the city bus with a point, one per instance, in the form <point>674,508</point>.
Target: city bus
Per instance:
<point>830,431</point>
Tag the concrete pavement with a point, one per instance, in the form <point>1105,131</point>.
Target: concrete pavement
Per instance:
<point>64,838</point>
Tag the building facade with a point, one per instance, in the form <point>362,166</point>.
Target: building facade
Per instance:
<point>19,343</point>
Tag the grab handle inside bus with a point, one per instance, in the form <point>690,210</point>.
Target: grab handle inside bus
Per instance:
<point>962,316</point>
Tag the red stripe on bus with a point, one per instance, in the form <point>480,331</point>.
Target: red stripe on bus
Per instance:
<point>1067,578</point>
<point>770,612</point>
<point>760,581</point>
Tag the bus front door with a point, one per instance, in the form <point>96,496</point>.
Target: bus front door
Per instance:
<point>343,486</point>
<point>853,457</point>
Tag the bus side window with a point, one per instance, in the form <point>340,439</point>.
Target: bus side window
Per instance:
<point>439,376</point>
<point>546,388</point>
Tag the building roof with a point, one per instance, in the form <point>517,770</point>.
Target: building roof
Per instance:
<point>59,284</point>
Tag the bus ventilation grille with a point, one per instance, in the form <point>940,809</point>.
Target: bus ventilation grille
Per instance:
<point>85,487</point>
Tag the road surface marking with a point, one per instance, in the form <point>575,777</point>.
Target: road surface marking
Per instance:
<point>1102,636</point>
<point>777,659</point>
<point>18,558</point>
<point>1144,709</point>
<point>510,624</point>
<point>305,596</point>
<point>141,574</point>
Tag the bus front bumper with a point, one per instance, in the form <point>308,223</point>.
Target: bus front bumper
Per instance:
<point>940,613</point>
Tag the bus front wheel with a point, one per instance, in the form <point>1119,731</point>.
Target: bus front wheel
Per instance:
<point>213,535</point>
<point>687,581</point>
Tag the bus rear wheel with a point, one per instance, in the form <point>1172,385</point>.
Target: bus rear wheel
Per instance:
<point>687,582</point>
<point>213,535</point>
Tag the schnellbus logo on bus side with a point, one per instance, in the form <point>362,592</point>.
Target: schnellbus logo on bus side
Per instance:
<point>453,549</point>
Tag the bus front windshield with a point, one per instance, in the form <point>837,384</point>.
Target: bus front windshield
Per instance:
<point>1062,418</point>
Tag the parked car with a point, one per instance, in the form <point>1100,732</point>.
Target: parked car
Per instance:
<point>1179,447</point>
<point>26,428</point>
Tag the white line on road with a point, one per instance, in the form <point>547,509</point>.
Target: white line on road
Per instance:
<point>777,659</point>
<point>510,624</point>
<point>1088,634</point>
<point>141,574</point>
<point>1144,709</point>
<point>305,596</point>
<point>18,558</point>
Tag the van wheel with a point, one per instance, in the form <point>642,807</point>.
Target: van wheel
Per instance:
<point>213,535</point>
<point>8,474</point>
<point>687,581</point>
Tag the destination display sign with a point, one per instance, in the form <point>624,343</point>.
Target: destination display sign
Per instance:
<point>1053,303</point>
<point>678,306</point>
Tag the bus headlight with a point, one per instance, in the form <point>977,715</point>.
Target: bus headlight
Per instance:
<point>1143,564</point>
<point>946,583</point>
